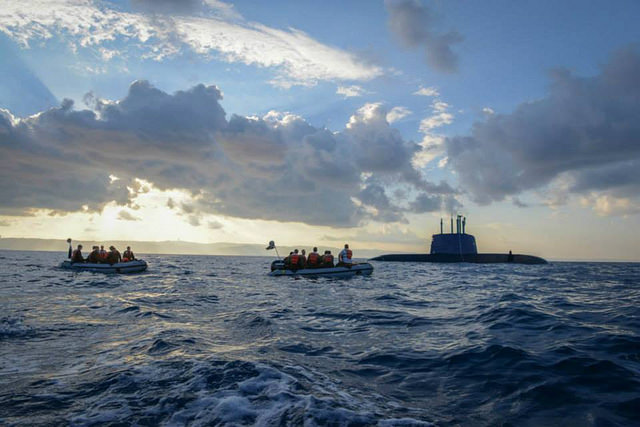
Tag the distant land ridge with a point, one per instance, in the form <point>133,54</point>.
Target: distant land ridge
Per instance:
<point>169,247</point>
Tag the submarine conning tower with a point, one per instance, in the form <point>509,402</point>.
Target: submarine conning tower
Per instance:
<point>458,243</point>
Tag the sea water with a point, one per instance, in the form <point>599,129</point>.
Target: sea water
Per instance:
<point>208,340</point>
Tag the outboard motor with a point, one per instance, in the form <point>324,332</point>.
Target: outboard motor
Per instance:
<point>277,265</point>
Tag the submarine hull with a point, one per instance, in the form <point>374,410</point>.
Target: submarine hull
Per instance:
<point>472,258</point>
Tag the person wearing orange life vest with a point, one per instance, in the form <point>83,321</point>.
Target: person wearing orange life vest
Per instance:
<point>327,260</point>
<point>344,258</point>
<point>313,260</point>
<point>294,260</point>
<point>103,253</point>
<point>76,256</point>
<point>128,255</point>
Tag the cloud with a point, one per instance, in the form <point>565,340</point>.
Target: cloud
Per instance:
<point>215,225</point>
<point>296,57</point>
<point>276,167</point>
<point>432,144</point>
<point>398,113</point>
<point>427,91</point>
<point>127,216</point>
<point>584,132</point>
<point>488,111</point>
<point>413,25</point>
<point>440,117</point>
<point>606,205</point>
<point>350,91</point>
<point>168,6</point>
<point>193,220</point>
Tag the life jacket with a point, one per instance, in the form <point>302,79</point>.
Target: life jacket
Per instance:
<point>293,259</point>
<point>349,254</point>
<point>327,259</point>
<point>313,258</point>
<point>103,254</point>
<point>125,259</point>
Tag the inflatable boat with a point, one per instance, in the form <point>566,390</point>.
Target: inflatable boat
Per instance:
<point>363,269</point>
<point>135,266</point>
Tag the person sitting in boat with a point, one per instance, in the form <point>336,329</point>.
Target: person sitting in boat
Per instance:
<point>313,260</point>
<point>103,254</point>
<point>94,255</point>
<point>344,258</point>
<point>327,260</point>
<point>113,257</point>
<point>76,256</point>
<point>294,260</point>
<point>128,255</point>
<point>302,262</point>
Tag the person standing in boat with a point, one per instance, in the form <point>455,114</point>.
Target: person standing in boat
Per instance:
<point>113,257</point>
<point>76,256</point>
<point>314,259</point>
<point>344,258</point>
<point>128,255</point>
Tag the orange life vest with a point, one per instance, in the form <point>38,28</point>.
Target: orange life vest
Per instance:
<point>327,259</point>
<point>293,259</point>
<point>313,258</point>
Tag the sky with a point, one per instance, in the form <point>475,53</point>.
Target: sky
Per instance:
<point>320,123</point>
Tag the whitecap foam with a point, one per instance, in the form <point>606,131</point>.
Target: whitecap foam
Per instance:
<point>11,327</point>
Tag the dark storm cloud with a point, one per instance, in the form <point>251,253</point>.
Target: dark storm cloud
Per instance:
<point>413,24</point>
<point>586,130</point>
<point>277,167</point>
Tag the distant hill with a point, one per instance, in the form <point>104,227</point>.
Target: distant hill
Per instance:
<point>170,247</point>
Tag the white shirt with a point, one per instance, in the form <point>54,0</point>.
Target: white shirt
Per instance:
<point>342,257</point>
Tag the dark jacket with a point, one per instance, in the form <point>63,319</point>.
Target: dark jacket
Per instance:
<point>114,257</point>
<point>77,256</point>
<point>94,257</point>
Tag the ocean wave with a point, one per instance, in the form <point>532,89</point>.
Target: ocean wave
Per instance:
<point>214,341</point>
<point>213,392</point>
<point>14,327</point>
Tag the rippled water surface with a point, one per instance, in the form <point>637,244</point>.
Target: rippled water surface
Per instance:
<point>214,341</point>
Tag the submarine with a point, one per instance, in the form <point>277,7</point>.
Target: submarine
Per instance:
<point>459,247</point>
